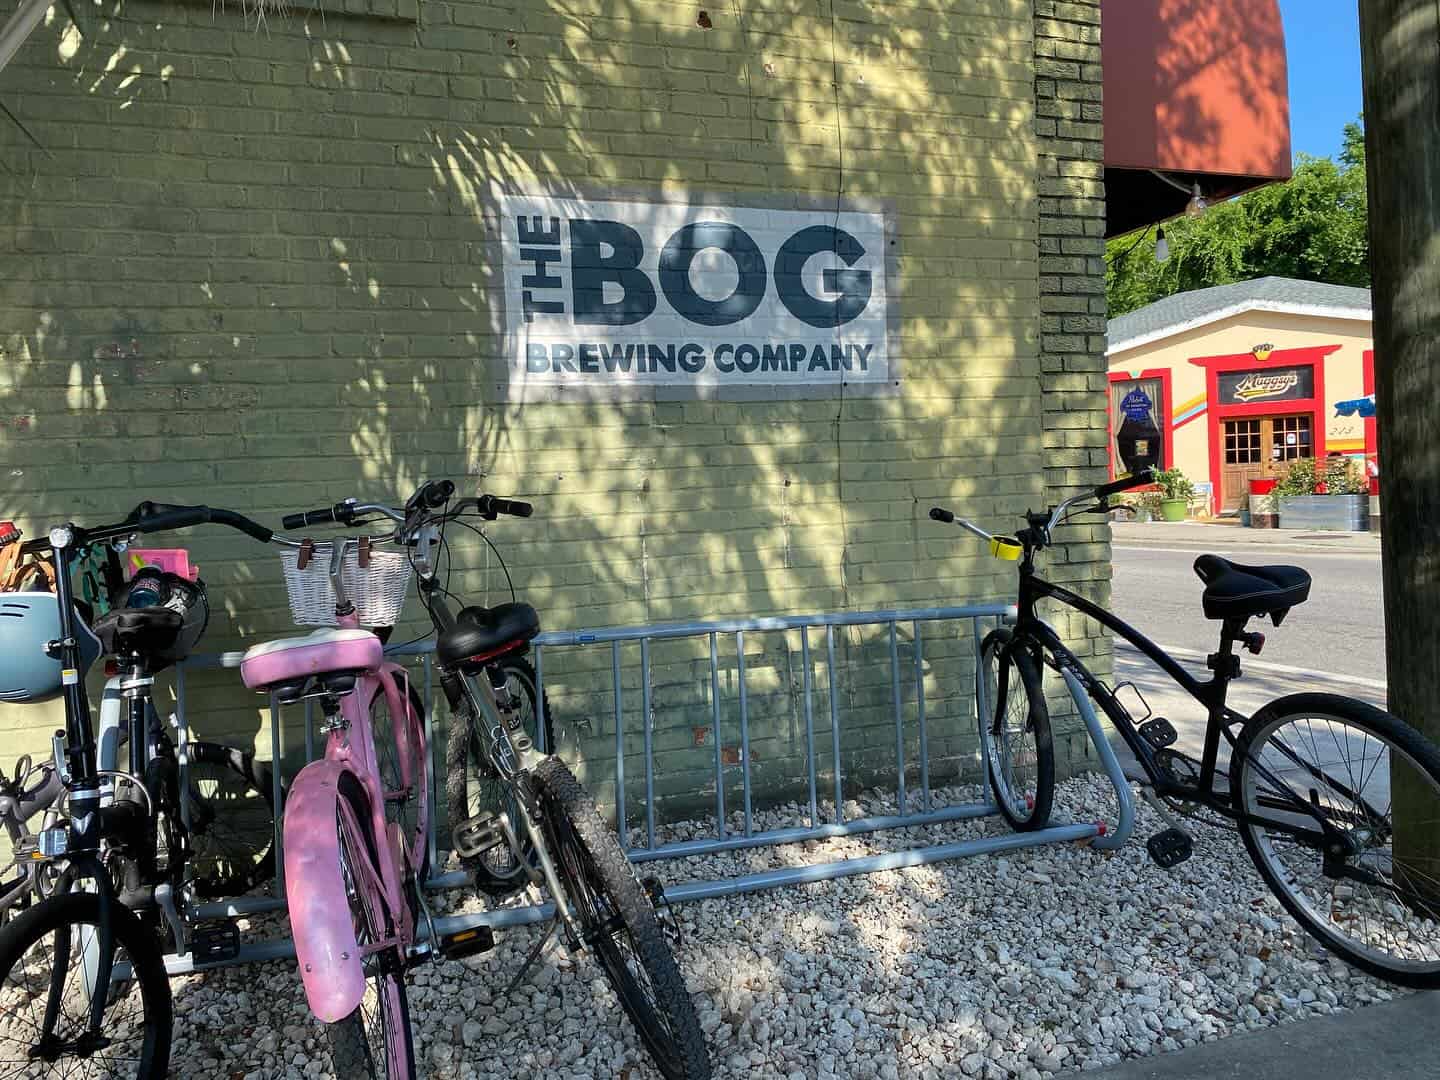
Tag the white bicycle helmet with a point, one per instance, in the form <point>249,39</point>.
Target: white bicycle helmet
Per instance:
<point>28,620</point>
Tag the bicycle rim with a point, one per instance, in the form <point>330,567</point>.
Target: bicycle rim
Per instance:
<point>232,821</point>
<point>383,1016</point>
<point>48,978</point>
<point>621,926</point>
<point>1016,734</point>
<point>1379,905</point>
<point>498,871</point>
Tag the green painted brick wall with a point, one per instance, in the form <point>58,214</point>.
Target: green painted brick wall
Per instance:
<point>257,270</point>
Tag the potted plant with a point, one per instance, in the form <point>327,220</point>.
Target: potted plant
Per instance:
<point>1333,494</point>
<point>1176,491</point>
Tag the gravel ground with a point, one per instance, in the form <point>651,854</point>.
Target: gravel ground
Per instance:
<point>1036,962</point>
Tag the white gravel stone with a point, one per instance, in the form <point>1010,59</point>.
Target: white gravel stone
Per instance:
<point>1043,960</point>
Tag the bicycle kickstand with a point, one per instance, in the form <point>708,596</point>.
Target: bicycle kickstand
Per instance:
<point>532,956</point>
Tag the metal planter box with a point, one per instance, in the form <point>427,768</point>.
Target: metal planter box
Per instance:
<point>1339,513</point>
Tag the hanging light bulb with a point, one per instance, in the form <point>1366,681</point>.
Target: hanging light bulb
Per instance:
<point>1162,246</point>
<point>1197,204</point>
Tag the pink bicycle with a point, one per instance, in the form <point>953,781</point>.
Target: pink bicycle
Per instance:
<point>355,823</point>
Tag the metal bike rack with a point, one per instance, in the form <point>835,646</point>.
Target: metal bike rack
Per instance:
<point>910,812</point>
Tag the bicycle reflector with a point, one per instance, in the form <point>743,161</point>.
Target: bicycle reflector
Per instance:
<point>1007,548</point>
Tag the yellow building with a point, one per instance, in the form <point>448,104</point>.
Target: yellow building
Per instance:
<point>1242,379</point>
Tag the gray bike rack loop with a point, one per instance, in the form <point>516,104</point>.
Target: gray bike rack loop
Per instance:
<point>746,836</point>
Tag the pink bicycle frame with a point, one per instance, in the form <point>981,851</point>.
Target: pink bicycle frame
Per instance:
<point>330,958</point>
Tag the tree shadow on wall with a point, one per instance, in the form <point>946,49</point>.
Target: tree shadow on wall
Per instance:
<point>262,270</point>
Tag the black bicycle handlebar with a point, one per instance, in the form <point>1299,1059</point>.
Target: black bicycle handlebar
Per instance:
<point>150,517</point>
<point>328,515</point>
<point>492,505</point>
<point>939,513</point>
<point>1125,483</point>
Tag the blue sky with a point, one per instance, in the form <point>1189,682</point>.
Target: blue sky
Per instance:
<point>1322,38</point>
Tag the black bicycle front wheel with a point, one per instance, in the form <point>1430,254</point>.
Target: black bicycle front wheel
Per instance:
<point>1367,884</point>
<point>1015,733</point>
<point>50,970</point>
<point>619,923</point>
<point>472,787</point>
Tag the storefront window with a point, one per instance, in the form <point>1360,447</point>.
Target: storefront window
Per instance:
<point>1136,419</point>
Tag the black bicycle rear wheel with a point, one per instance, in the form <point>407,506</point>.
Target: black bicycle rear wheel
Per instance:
<point>1015,732</point>
<point>471,786</point>
<point>232,821</point>
<point>619,923</point>
<point>48,958</point>
<point>1370,891</point>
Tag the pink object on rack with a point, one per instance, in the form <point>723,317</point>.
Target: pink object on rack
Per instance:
<point>171,560</point>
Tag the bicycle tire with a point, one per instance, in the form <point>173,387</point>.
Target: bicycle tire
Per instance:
<point>215,877</point>
<point>352,1046</point>
<point>404,812</point>
<point>59,916</point>
<point>1252,767</point>
<point>497,873</point>
<point>601,887</point>
<point>1026,806</point>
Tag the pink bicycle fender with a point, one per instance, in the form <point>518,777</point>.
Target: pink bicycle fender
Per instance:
<point>325,945</point>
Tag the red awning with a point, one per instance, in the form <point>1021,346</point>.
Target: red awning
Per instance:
<point>1195,89</point>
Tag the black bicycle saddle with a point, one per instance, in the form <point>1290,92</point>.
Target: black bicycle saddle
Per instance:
<point>1233,591</point>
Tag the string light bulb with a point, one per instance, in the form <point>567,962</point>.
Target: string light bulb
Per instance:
<point>1162,246</point>
<point>1197,204</point>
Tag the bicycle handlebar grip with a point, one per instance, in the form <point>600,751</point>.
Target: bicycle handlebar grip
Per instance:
<point>436,493</point>
<point>512,507</point>
<point>1125,483</point>
<point>939,513</point>
<point>324,516</point>
<point>243,523</point>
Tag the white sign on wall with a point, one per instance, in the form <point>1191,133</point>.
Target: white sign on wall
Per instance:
<point>699,299</point>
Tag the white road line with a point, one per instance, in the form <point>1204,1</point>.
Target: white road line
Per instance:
<point>1259,665</point>
<point>1172,551</point>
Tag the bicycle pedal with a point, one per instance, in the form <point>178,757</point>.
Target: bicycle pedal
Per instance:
<point>477,835</point>
<point>1159,732</point>
<point>1170,848</point>
<point>214,943</point>
<point>463,943</point>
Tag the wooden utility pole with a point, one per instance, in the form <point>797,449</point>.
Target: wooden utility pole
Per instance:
<point>1400,48</point>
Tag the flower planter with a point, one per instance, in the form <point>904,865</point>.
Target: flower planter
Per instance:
<point>1262,506</point>
<point>1172,509</point>
<point>1338,513</point>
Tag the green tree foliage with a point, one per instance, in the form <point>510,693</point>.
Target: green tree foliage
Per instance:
<point>1314,227</point>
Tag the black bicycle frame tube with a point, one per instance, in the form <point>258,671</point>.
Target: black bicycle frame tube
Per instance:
<point>1210,693</point>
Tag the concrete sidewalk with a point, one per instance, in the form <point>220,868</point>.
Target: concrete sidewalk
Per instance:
<point>1391,1041</point>
<point>1188,534</point>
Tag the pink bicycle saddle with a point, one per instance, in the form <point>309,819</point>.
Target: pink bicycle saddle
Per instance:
<point>287,659</point>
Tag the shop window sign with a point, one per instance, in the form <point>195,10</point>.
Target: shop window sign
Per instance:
<point>1269,384</point>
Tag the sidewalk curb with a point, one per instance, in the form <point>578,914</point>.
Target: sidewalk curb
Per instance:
<point>1200,535</point>
<point>1387,1041</point>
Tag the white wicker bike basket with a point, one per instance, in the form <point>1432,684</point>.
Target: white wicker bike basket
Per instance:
<point>378,591</point>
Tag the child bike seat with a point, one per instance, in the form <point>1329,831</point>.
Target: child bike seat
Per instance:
<point>289,659</point>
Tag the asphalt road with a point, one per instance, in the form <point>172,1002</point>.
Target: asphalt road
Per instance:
<point>1333,643</point>
<point>1340,629</point>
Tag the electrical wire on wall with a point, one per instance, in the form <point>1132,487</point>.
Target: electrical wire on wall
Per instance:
<point>835,254</point>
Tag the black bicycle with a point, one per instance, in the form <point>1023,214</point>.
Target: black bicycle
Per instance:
<point>1338,802</point>
<point>83,984</point>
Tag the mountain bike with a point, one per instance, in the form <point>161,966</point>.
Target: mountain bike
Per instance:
<point>1313,782</point>
<point>547,824</point>
<point>83,984</point>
